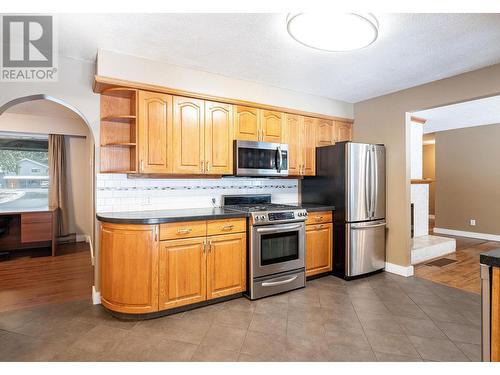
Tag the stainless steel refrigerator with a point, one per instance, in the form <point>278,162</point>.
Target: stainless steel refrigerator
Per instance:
<point>351,176</point>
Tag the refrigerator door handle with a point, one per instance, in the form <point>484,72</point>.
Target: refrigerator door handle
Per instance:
<point>374,187</point>
<point>368,207</point>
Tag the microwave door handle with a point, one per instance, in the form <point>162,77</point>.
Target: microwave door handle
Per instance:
<point>280,159</point>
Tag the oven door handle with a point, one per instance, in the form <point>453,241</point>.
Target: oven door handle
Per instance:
<point>280,228</point>
<point>281,282</point>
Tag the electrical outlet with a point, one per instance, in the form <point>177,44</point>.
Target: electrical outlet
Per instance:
<point>472,222</point>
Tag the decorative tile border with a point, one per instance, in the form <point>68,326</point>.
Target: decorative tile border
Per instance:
<point>198,187</point>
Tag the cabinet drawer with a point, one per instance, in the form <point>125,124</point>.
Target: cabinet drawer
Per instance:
<point>319,217</point>
<point>186,229</point>
<point>36,231</point>
<point>36,217</point>
<point>226,226</point>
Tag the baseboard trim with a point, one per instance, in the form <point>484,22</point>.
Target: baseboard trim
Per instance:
<point>462,233</point>
<point>82,237</point>
<point>96,296</point>
<point>399,270</point>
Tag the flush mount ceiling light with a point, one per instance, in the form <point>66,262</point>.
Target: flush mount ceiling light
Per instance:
<point>333,32</point>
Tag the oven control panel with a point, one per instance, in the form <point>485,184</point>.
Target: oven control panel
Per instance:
<point>275,216</point>
<point>261,218</point>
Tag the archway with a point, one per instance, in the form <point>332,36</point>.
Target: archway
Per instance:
<point>43,114</point>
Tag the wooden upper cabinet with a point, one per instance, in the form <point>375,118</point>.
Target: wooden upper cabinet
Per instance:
<point>308,137</point>
<point>182,272</point>
<point>293,126</point>
<point>343,131</point>
<point>129,268</point>
<point>155,132</point>
<point>319,248</point>
<point>325,133</point>
<point>188,136</point>
<point>271,125</point>
<point>218,138</point>
<point>246,123</point>
<point>226,265</point>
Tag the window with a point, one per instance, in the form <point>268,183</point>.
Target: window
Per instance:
<point>24,177</point>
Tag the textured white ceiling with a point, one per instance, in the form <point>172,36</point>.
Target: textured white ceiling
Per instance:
<point>463,115</point>
<point>412,49</point>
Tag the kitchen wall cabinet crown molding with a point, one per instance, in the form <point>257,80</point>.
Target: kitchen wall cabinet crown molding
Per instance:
<point>103,83</point>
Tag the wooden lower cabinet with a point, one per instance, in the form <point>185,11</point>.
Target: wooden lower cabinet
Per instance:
<point>182,272</point>
<point>226,265</point>
<point>129,268</point>
<point>319,241</point>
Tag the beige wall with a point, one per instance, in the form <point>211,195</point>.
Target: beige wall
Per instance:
<point>468,179</point>
<point>384,120</point>
<point>138,69</point>
<point>79,144</point>
<point>429,171</point>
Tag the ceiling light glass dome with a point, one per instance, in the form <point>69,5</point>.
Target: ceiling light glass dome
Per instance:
<point>333,32</point>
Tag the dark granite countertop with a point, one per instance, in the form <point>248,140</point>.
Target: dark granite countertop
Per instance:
<point>312,207</point>
<point>168,216</point>
<point>491,258</point>
<point>191,214</point>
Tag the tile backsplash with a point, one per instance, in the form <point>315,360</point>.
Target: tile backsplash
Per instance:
<point>116,192</point>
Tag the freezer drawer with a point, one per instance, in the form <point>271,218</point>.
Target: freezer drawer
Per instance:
<point>365,247</point>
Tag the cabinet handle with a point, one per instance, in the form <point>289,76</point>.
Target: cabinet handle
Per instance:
<point>228,227</point>
<point>204,246</point>
<point>156,233</point>
<point>184,231</point>
<point>208,166</point>
<point>202,165</point>
<point>142,165</point>
<point>318,218</point>
<point>319,226</point>
<point>210,245</point>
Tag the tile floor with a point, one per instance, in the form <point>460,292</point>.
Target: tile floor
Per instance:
<point>381,318</point>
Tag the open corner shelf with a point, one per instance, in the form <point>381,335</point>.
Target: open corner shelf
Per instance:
<point>118,130</point>
<point>119,118</point>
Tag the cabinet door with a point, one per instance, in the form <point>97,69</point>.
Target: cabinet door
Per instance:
<point>155,132</point>
<point>188,136</point>
<point>218,138</point>
<point>325,133</point>
<point>271,124</point>
<point>246,122</point>
<point>182,272</point>
<point>308,146</point>
<point>293,126</point>
<point>129,267</point>
<point>318,248</point>
<point>343,131</point>
<point>226,265</point>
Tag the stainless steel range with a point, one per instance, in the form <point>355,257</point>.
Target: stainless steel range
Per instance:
<point>276,244</point>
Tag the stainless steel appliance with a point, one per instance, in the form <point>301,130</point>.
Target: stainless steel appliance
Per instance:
<point>260,159</point>
<point>485,313</point>
<point>276,250</point>
<point>351,176</point>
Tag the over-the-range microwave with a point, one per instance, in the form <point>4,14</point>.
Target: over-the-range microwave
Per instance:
<point>260,159</point>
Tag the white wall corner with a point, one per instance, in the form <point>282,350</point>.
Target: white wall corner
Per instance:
<point>96,296</point>
<point>462,233</point>
<point>399,270</point>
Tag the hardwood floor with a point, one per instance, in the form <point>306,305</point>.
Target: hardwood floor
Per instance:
<point>462,274</point>
<point>34,281</point>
